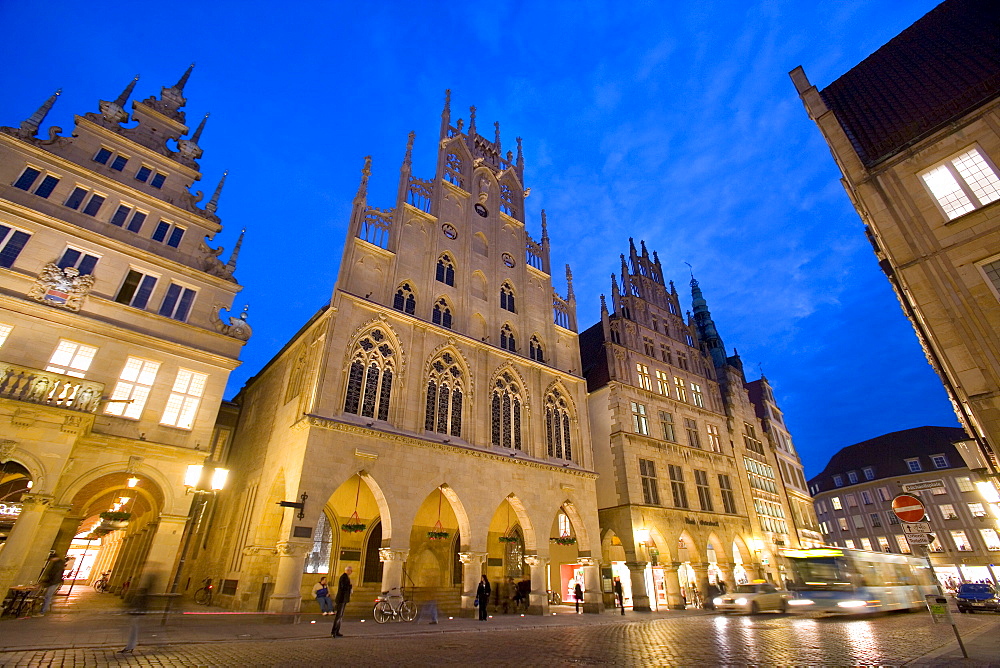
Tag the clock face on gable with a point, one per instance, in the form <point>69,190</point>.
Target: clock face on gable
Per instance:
<point>508,260</point>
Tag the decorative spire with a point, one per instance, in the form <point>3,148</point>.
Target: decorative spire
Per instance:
<point>184,78</point>
<point>570,296</point>
<point>658,267</point>
<point>520,156</point>
<point>446,114</point>
<point>604,305</point>
<point>496,140</point>
<point>624,267</point>
<point>123,98</point>
<point>545,228</point>
<point>213,203</point>
<point>201,127</point>
<point>366,171</point>
<point>408,158</point>
<point>231,265</point>
<point>472,120</point>
<point>706,326</point>
<point>616,294</point>
<point>30,126</point>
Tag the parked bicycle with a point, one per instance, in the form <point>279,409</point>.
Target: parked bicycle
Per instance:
<point>204,595</point>
<point>102,582</point>
<point>394,607</point>
<point>554,598</point>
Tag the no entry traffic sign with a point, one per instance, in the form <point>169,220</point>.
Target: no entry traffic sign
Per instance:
<point>908,508</point>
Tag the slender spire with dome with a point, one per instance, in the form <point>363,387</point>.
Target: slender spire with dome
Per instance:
<point>29,127</point>
<point>231,265</point>
<point>184,78</point>
<point>213,204</point>
<point>201,127</point>
<point>127,92</point>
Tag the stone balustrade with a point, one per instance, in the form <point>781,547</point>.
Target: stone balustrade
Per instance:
<point>49,389</point>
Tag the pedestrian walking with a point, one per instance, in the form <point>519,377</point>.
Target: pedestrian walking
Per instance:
<point>619,593</point>
<point>51,579</point>
<point>344,588</point>
<point>322,593</point>
<point>506,592</point>
<point>138,606</point>
<point>578,595</point>
<point>483,596</point>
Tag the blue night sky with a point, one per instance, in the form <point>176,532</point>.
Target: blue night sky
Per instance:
<point>666,121</point>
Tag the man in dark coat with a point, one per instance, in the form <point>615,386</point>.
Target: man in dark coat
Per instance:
<point>344,588</point>
<point>51,579</point>
<point>619,594</point>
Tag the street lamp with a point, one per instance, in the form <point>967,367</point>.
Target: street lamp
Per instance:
<point>196,473</point>
<point>202,480</point>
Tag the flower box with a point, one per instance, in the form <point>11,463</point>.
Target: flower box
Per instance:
<point>563,540</point>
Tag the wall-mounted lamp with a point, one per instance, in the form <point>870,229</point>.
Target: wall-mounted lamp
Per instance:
<point>195,474</point>
<point>642,535</point>
<point>132,482</point>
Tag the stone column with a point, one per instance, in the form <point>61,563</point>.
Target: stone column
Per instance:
<point>593,597</point>
<point>393,561</point>
<point>65,535</point>
<point>45,536</point>
<point>674,599</point>
<point>637,575</point>
<point>538,599</point>
<point>472,571</point>
<point>161,557</point>
<point>701,578</point>
<point>727,575</point>
<point>15,555</point>
<point>287,596</point>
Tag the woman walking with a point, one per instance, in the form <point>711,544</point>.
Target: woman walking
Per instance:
<point>483,597</point>
<point>322,593</point>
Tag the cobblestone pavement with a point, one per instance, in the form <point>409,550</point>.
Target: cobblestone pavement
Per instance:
<point>704,640</point>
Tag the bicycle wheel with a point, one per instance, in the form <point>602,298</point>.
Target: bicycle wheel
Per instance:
<point>408,611</point>
<point>556,598</point>
<point>382,612</point>
<point>202,597</point>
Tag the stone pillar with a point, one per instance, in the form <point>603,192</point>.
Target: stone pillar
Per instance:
<point>701,578</point>
<point>287,596</point>
<point>674,599</point>
<point>538,599</point>
<point>727,575</point>
<point>637,575</point>
<point>593,597</point>
<point>21,540</point>
<point>45,536</point>
<point>472,571</point>
<point>65,535</point>
<point>393,561</point>
<point>157,568</point>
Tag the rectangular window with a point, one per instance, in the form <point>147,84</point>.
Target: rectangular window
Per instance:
<point>662,383</point>
<point>883,493</point>
<point>5,331</point>
<point>913,465</point>
<point>852,501</point>
<point>135,223</point>
<point>938,491</point>
<point>990,269</point>
<point>948,511</point>
<point>977,509</point>
<point>647,346</point>
<point>75,198</point>
<point>728,500</point>
<point>939,461</point>
<point>714,438</point>
<point>991,539</point>
<point>875,519</point>
<point>143,174</point>
<point>158,180</point>
<point>647,474</point>
<point>169,233</point>
<point>71,358</point>
<point>838,480</point>
<point>12,241</point>
<point>883,544</point>
<point>94,205</point>
<point>961,541</point>
<point>681,389</point>
<point>902,544</point>
<point>696,397</point>
<point>133,387</point>
<point>965,484</point>
<point>177,302</point>
<point>963,183</point>
<point>891,516</point>
<point>682,360</point>
<point>82,261</point>
<point>642,371</point>
<point>869,473</point>
<point>704,493</point>
<point>667,425</point>
<point>866,544</point>
<point>28,178</point>
<point>121,216</point>
<point>691,426</point>
<point>136,289</point>
<point>677,486</point>
<point>668,358</point>
<point>118,164</point>
<point>859,521</point>
<point>836,503</point>
<point>842,523</point>
<point>103,155</point>
<point>182,404</point>
<point>852,476</point>
<point>866,497</point>
<point>639,422</point>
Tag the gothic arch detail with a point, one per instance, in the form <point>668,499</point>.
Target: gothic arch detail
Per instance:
<point>446,395</point>
<point>559,439</point>
<point>405,300</point>
<point>507,401</point>
<point>370,375</point>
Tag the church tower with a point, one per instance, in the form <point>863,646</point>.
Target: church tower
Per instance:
<point>113,352</point>
<point>434,413</point>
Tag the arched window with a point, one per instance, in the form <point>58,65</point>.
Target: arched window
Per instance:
<point>557,435</point>
<point>446,270</point>
<point>442,313</point>
<point>507,297</point>
<point>369,381</point>
<point>318,560</point>
<point>445,390</point>
<point>373,565</point>
<point>507,341</point>
<point>535,349</point>
<point>513,562</point>
<point>404,300</point>
<point>505,413</point>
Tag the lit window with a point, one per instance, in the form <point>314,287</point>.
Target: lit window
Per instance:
<point>913,465</point>
<point>961,541</point>
<point>136,289</point>
<point>80,260</point>
<point>133,387</point>
<point>977,509</point>
<point>948,511</point>
<point>866,544</point>
<point>991,539</point>
<point>168,233</point>
<point>643,372</point>
<point>849,544</point>
<point>565,526</point>
<point>71,359</point>
<point>963,183</point>
<point>639,421</point>
<point>318,560</point>
<point>842,523</point>
<point>938,491</point>
<point>5,332</point>
<point>835,501</point>
<point>647,476</point>
<point>681,389</point>
<point>902,544</point>
<point>29,177</point>
<point>939,461</point>
<point>12,241</point>
<point>177,302</point>
<point>869,473</point>
<point>965,484</point>
<point>182,405</point>
<point>696,397</point>
<point>662,383</point>
<point>714,438</point>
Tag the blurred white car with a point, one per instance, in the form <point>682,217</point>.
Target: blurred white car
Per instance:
<point>753,598</point>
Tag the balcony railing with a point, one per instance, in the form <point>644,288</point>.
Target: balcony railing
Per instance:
<point>49,389</point>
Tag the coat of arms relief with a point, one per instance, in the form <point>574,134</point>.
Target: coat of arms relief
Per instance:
<point>61,287</point>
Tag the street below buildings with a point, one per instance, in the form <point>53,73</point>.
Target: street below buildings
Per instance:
<point>79,637</point>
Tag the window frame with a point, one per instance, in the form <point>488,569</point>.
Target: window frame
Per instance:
<point>949,164</point>
<point>132,389</point>
<point>183,291</point>
<point>12,243</point>
<point>69,369</point>
<point>183,404</point>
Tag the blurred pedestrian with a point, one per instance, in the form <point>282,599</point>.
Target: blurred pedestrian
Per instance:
<point>483,596</point>
<point>138,605</point>
<point>578,595</point>
<point>619,593</point>
<point>506,593</point>
<point>322,593</point>
<point>51,579</point>
<point>344,588</point>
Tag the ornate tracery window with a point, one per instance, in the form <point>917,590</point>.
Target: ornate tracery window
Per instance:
<point>445,270</point>
<point>445,391</point>
<point>442,313</point>
<point>404,300</point>
<point>535,349</point>
<point>369,381</point>
<point>453,170</point>
<point>507,341</point>
<point>507,297</point>
<point>505,413</point>
<point>557,433</point>
<point>507,200</point>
